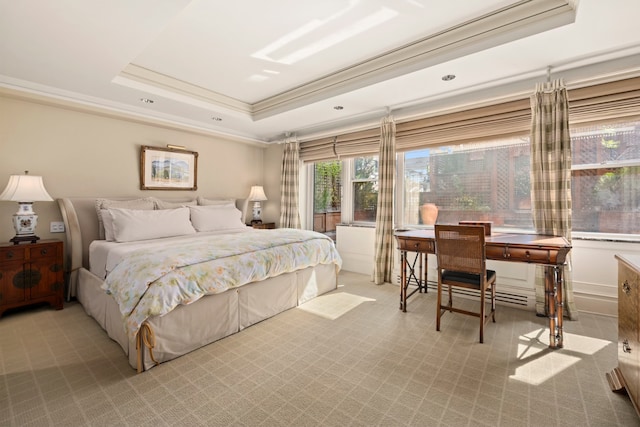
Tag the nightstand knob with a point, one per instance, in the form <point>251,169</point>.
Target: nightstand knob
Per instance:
<point>10,254</point>
<point>44,251</point>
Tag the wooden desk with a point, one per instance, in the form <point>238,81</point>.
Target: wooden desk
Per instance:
<point>549,251</point>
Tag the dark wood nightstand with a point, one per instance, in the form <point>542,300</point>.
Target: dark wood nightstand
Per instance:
<point>265,225</point>
<point>31,273</point>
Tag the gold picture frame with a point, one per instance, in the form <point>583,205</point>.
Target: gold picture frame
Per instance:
<point>168,169</point>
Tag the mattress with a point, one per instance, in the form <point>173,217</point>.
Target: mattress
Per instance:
<point>105,255</point>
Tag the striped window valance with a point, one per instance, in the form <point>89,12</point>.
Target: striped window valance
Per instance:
<point>361,143</point>
<point>491,122</point>
<point>602,102</point>
<point>605,102</point>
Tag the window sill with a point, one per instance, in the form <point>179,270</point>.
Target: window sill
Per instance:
<point>606,237</point>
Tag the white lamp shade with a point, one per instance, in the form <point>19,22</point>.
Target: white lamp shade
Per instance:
<point>257,194</point>
<point>25,188</point>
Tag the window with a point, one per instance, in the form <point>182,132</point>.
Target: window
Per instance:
<point>365,188</point>
<point>327,203</point>
<point>605,178</point>
<point>490,181</point>
<point>486,181</point>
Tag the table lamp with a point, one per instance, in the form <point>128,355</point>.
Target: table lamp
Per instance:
<point>256,196</point>
<point>25,189</point>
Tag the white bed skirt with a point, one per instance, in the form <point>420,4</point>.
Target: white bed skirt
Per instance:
<point>231,311</point>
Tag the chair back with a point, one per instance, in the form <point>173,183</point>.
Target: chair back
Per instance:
<point>461,248</point>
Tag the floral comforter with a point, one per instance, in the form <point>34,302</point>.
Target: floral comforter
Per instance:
<point>152,282</point>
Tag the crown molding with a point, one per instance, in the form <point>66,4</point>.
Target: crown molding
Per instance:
<point>142,78</point>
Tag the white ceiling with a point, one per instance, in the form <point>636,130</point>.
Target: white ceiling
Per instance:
<point>268,68</point>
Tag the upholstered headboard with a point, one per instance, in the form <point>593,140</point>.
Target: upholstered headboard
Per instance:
<point>82,228</point>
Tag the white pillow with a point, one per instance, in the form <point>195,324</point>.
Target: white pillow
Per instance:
<point>216,217</point>
<point>130,225</point>
<point>140,204</point>
<point>165,204</point>
<point>107,221</point>
<point>215,202</point>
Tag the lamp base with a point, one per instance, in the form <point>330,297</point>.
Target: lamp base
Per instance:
<point>31,239</point>
<point>256,221</point>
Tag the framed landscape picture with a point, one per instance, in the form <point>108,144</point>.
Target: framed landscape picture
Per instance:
<point>168,169</point>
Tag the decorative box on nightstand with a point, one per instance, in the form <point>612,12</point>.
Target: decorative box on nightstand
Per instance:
<point>265,225</point>
<point>31,273</point>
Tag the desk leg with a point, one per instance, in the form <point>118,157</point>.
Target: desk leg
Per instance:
<point>403,281</point>
<point>559,304</point>
<point>426,271</point>
<point>420,274</point>
<point>553,301</point>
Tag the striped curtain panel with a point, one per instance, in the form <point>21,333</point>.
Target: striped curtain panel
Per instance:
<point>383,260</point>
<point>290,183</point>
<point>551,179</point>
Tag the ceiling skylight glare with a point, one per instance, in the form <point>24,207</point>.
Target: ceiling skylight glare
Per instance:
<point>257,78</point>
<point>358,27</point>
<point>415,3</point>
<point>374,19</point>
<point>285,40</point>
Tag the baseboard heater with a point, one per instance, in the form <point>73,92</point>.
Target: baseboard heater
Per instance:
<point>505,297</point>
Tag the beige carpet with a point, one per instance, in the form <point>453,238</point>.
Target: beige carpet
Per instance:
<point>348,358</point>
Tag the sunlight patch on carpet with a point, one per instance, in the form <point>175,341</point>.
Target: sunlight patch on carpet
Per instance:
<point>332,306</point>
<point>540,363</point>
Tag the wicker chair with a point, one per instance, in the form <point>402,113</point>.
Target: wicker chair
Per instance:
<point>462,263</point>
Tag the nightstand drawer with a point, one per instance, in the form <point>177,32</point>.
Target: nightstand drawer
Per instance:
<point>11,253</point>
<point>43,251</point>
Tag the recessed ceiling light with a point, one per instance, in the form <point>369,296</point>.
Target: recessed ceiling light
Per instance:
<point>146,100</point>
<point>448,77</point>
<point>216,119</point>
<point>338,107</point>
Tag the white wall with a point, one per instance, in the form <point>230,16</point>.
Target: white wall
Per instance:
<point>356,247</point>
<point>595,270</point>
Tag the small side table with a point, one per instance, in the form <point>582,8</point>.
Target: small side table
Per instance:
<point>265,225</point>
<point>31,273</point>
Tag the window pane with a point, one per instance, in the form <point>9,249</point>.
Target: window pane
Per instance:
<point>327,182</point>
<point>327,196</point>
<point>473,182</point>
<point>365,168</point>
<point>365,201</point>
<point>605,183</point>
<point>365,188</point>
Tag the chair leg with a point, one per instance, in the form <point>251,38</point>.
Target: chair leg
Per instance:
<point>482,314</point>
<point>438,306</point>
<point>493,301</point>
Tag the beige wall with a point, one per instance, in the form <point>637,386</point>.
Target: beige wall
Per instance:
<point>85,154</point>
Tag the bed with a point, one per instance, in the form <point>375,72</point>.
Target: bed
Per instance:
<point>112,273</point>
